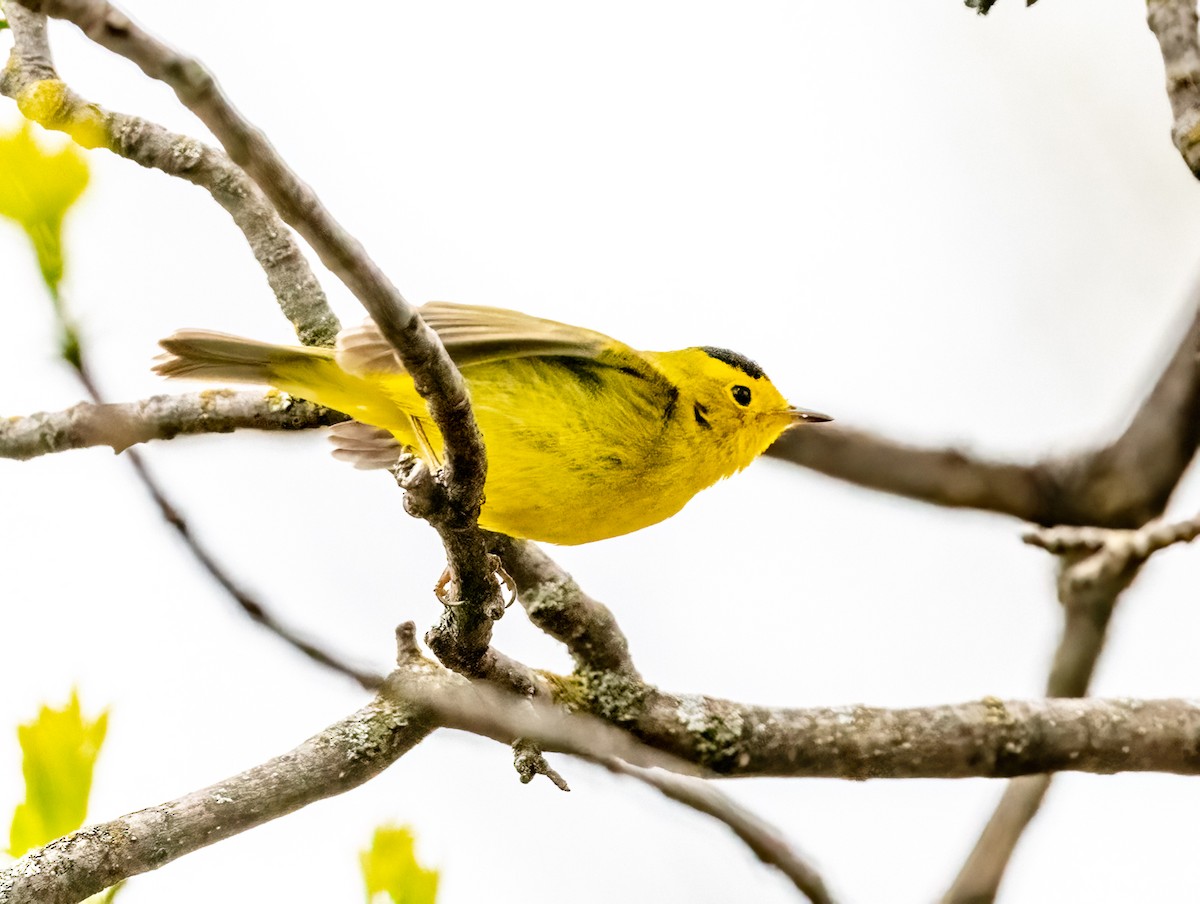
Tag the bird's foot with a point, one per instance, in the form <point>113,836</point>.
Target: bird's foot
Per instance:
<point>446,590</point>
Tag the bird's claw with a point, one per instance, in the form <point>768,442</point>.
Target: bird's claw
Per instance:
<point>446,590</point>
<point>503,578</point>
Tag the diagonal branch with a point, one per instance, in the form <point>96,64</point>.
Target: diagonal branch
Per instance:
<point>251,606</point>
<point>465,630</point>
<point>30,79</point>
<point>764,839</point>
<point>256,611</point>
<point>557,605</point>
<point>1129,481</point>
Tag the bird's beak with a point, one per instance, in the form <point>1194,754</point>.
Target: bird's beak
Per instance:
<point>804,416</point>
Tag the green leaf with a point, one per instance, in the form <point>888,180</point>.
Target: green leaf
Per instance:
<point>59,750</point>
<point>391,871</point>
<point>37,188</point>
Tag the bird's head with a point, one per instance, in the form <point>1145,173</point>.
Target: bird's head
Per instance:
<point>731,401</point>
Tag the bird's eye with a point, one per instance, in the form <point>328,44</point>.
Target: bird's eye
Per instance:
<point>741,395</point>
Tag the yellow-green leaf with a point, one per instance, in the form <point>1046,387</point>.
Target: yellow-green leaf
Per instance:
<point>391,871</point>
<point>59,750</point>
<point>37,188</point>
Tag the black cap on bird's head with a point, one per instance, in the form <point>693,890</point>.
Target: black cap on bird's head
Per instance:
<point>733,359</point>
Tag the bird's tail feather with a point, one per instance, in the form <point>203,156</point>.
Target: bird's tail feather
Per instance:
<point>307,373</point>
<point>208,355</point>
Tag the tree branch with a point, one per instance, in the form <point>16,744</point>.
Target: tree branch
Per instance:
<point>949,477</point>
<point>120,426</point>
<point>1121,485</point>
<point>30,80</point>
<point>1129,482</point>
<point>985,738</point>
<point>557,605</point>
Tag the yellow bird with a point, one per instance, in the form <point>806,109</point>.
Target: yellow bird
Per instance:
<point>586,437</point>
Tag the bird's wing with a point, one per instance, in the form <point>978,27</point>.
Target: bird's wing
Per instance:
<point>473,334</point>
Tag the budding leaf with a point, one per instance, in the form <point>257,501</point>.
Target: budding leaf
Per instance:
<point>59,750</point>
<point>37,188</point>
<point>391,871</point>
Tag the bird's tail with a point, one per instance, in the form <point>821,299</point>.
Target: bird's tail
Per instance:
<point>308,373</point>
<point>207,355</point>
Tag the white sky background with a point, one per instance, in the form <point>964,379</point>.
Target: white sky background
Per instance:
<point>946,228</point>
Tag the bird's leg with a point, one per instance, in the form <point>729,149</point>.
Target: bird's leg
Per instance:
<point>414,477</point>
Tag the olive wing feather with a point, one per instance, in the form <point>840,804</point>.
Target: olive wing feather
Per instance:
<point>474,334</point>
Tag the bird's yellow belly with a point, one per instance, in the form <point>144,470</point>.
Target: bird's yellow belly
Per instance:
<point>569,509</point>
<point>590,481</point>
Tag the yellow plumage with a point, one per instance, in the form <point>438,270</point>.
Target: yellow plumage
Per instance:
<point>586,437</point>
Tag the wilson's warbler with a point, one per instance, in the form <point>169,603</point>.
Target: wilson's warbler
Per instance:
<point>586,437</point>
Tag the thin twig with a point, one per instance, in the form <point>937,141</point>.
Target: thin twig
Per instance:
<point>764,839</point>
<point>31,80</point>
<point>1088,605</point>
<point>529,761</point>
<point>251,606</point>
<point>257,612</point>
<point>1106,553</point>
